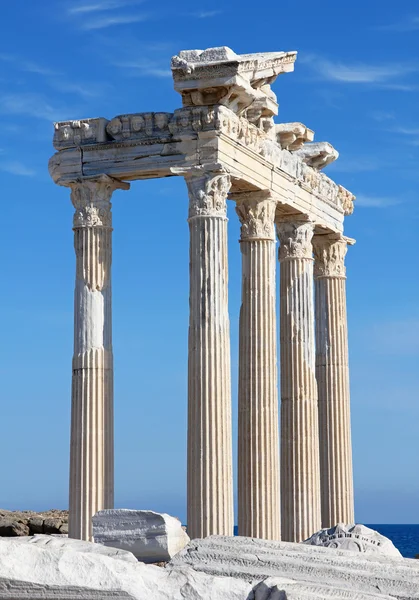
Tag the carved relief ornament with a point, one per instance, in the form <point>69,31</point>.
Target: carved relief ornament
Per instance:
<point>329,255</point>
<point>91,199</point>
<point>257,216</point>
<point>208,194</point>
<point>295,239</point>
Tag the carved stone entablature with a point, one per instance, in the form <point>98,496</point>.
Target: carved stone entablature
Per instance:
<point>91,199</point>
<point>207,192</point>
<point>295,238</point>
<point>139,126</point>
<point>292,136</point>
<point>68,134</point>
<point>256,211</point>
<point>346,199</point>
<point>220,76</point>
<point>329,255</point>
<point>318,154</point>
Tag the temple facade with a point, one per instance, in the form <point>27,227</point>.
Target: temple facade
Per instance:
<point>225,143</point>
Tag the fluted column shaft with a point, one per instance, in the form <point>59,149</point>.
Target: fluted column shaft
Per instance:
<point>91,445</point>
<point>210,480</point>
<point>332,371</point>
<point>258,444</point>
<point>300,471</point>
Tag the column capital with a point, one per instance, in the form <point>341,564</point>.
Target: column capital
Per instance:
<point>207,192</point>
<point>91,197</point>
<point>329,255</point>
<point>256,211</point>
<point>295,235</point>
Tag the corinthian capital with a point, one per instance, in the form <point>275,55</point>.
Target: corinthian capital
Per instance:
<point>92,200</point>
<point>256,211</point>
<point>295,238</point>
<point>329,255</point>
<point>208,194</point>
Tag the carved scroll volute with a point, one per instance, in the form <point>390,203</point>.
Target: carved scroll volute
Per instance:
<point>256,212</point>
<point>329,255</point>
<point>295,239</point>
<point>208,194</point>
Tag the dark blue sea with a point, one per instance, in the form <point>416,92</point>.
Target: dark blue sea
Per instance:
<point>404,537</point>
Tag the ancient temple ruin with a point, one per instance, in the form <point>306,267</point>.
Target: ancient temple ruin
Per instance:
<point>226,145</point>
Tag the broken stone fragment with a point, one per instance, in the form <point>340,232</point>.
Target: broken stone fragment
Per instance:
<point>292,136</point>
<point>152,537</point>
<point>357,538</point>
<point>13,528</point>
<point>318,154</point>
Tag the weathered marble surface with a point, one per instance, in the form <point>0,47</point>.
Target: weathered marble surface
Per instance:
<point>211,569</point>
<point>346,574</point>
<point>150,536</point>
<point>357,538</point>
<point>33,572</point>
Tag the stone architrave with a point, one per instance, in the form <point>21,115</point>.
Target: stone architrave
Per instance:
<point>210,478</point>
<point>91,445</point>
<point>332,372</point>
<point>258,445</point>
<point>300,471</point>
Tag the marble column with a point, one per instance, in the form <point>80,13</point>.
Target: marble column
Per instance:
<point>210,480</point>
<point>258,444</point>
<point>332,371</point>
<point>300,469</point>
<point>91,446</point>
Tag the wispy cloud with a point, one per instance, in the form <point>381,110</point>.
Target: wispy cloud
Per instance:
<point>408,24</point>
<point>207,14</point>
<point>361,73</point>
<point>32,105</point>
<point>27,66</point>
<point>382,115</point>
<point>16,168</point>
<point>356,165</point>
<point>111,21</point>
<point>143,68</point>
<point>93,7</point>
<point>366,201</point>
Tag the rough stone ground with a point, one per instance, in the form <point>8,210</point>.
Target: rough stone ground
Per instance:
<point>27,522</point>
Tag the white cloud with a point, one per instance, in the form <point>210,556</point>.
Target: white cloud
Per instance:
<point>16,168</point>
<point>364,200</point>
<point>27,66</point>
<point>361,164</point>
<point>80,9</point>
<point>143,68</point>
<point>382,115</point>
<point>102,23</point>
<point>207,14</point>
<point>361,73</point>
<point>409,24</point>
<point>33,105</point>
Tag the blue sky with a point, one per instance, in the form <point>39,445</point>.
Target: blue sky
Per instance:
<point>355,83</point>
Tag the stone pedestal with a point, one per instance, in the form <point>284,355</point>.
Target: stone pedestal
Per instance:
<point>258,445</point>
<point>210,481</point>
<point>91,447</point>
<point>300,471</point>
<point>332,373</point>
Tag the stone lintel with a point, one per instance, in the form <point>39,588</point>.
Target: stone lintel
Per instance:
<point>152,145</point>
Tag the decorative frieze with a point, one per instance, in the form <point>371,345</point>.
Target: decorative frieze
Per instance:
<point>68,134</point>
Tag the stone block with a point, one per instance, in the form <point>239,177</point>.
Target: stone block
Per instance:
<point>356,538</point>
<point>152,537</point>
